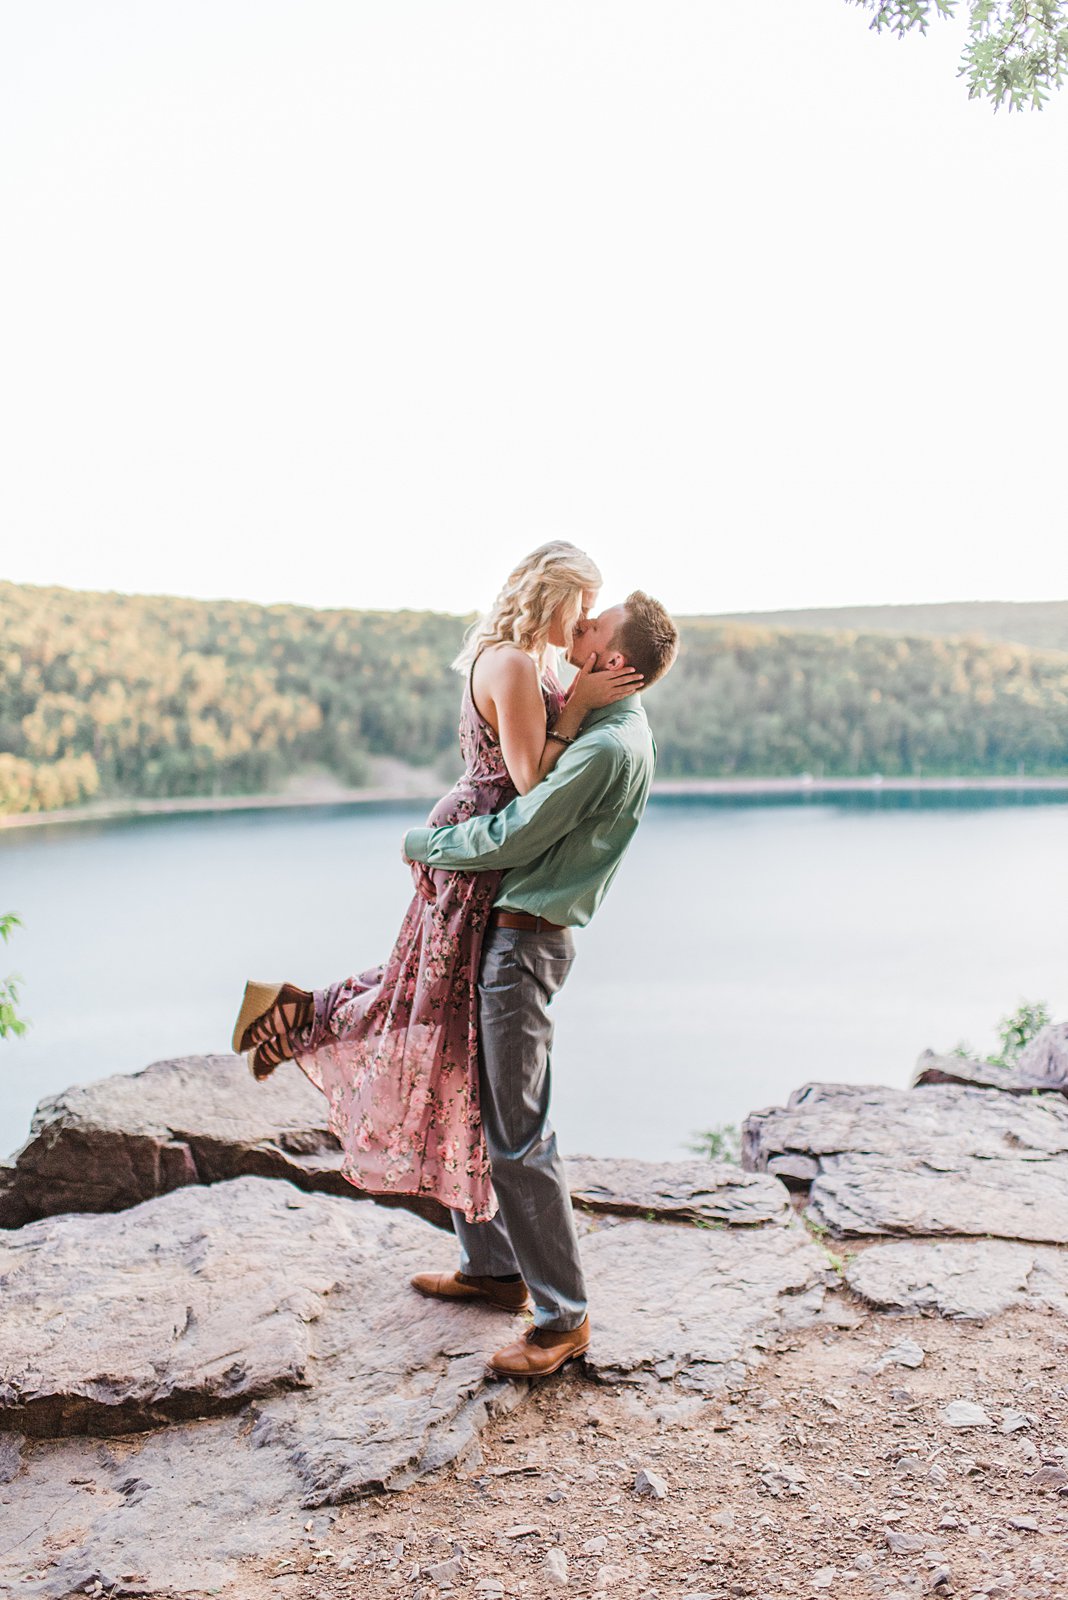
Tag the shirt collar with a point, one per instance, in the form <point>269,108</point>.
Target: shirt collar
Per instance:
<point>630,702</point>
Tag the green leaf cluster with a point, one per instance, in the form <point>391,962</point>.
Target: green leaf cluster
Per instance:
<point>10,1021</point>
<point>1016,50</point>
<point>1015,1032</point>
<point>721,1143</point>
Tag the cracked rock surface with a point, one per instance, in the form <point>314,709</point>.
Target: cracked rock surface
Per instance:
<point>697,1306</point>
<point>942,1160</point>
<point>1044,1059</point>
<point>206,1299</point>
<point>681,1191</point>
<point>973,1279</point>
<point>108,1145</point>
<point>294,1311</point>
<point>199,1386</point>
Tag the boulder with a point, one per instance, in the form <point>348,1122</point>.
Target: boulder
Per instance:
<point>1044,1062</point>
<point>937,1160</point>
<point>967,1278</point>
<point>969,1073</point>
<point>1043,1067</point>
<point>109,1145</point>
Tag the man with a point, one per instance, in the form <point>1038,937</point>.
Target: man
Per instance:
<point>559,847</point>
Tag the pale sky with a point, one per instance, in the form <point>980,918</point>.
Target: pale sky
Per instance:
<point>352,304</point>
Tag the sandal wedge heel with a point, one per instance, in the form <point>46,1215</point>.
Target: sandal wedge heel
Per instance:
<point>257,998</point>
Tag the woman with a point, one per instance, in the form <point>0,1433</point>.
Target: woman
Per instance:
<point>395,1050</point>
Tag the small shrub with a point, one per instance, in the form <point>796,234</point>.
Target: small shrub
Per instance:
<point>1018,1029</point>
<point>721,1143</point>
<point>1015,1032</point>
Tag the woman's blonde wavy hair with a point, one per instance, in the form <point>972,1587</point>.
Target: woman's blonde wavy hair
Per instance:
<point>554,575</point>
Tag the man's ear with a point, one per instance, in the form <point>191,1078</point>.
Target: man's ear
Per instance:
<point>611,662</point>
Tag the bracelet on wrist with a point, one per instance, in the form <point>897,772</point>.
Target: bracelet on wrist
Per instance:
<point>561,738</point>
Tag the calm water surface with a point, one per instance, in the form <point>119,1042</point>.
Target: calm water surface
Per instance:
<point>743,949</point>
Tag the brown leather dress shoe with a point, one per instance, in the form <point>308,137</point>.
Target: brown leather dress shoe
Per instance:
<point>457,1286</point>
<point>539,1351</point>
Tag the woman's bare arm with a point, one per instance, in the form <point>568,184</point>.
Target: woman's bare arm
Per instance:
<point>508,694</point>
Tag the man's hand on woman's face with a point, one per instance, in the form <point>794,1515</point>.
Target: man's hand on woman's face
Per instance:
<point>592,689</point>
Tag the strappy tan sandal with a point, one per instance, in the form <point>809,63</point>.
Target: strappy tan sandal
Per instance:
<point>262,1061</point>
<point>268,1012</point>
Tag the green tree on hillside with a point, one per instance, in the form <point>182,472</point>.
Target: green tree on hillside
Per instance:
<point>1016,52</point>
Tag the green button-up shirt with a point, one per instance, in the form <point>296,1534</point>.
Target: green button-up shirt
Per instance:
<point>560,845</point>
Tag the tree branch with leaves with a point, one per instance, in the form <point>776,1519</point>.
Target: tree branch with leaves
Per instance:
<point>1016,52</point>
<point>10,1022</point>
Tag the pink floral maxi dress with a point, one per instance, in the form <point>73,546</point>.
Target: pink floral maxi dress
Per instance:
<point>395,1050</point>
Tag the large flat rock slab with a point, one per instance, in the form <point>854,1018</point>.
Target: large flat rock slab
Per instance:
<point>386,1386</point>
<point>692,1307</point>
<point>972,1279</point>
<point>216,1297</point>
<point>938,1160</point>
<point>174,1309</point>
<point>205,1299</point>
<point>110,1145</point>
<point>696,1306</point>
<point>677,1191</point>
<point>296,1309</point>
<point>171,1514</point>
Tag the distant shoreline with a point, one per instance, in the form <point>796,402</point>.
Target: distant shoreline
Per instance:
<point>123,810</point>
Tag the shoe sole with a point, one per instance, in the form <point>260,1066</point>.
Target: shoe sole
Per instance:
<point>257,998</point>
<point>545,1372</point>
<point>468,1299</point>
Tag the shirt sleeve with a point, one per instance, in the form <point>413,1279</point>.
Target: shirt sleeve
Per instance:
<point>532,823</point>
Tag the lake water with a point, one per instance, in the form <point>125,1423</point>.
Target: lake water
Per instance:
<point>743,949</point>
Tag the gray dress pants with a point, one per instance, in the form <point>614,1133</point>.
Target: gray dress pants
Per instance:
<point>534,1230</point>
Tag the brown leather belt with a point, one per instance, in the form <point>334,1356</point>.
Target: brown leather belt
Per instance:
<point>524,920</point>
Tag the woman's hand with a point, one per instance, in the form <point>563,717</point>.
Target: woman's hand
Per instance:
<point>424,883</point>
<point>591,689</point>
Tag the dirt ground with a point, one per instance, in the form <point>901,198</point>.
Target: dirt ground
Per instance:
<point>822,1477</point>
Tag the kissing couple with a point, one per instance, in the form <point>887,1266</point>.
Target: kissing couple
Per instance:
<point>436,1066</point>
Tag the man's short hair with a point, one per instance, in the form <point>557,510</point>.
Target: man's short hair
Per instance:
<point>647,637</point>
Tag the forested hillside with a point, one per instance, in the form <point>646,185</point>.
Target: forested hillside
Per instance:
<point>109,694</point>
<point>1039,624</point>
<point>749,700</point>
<point>106,694</point>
